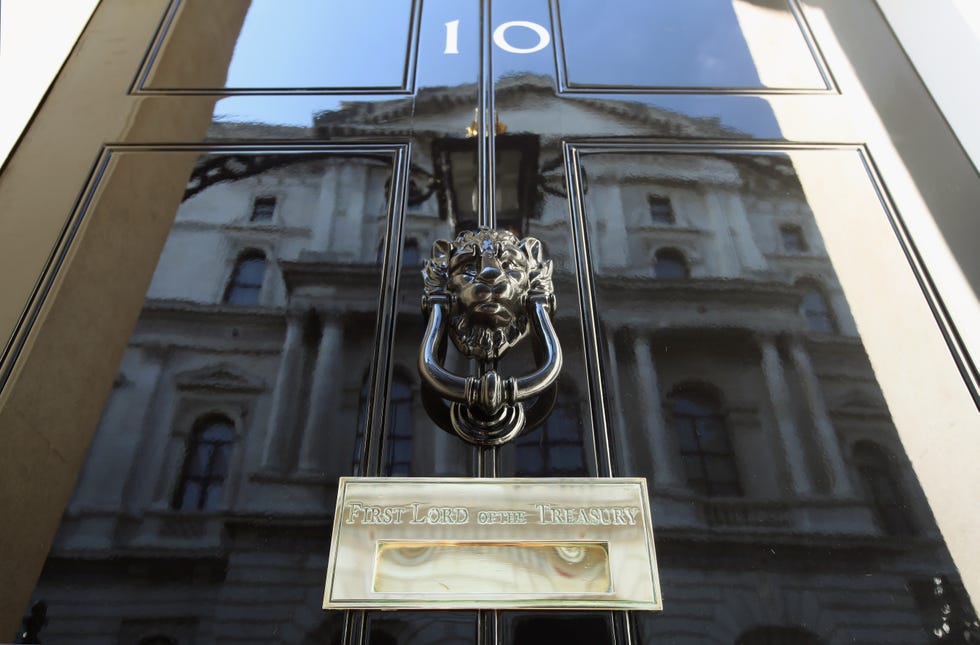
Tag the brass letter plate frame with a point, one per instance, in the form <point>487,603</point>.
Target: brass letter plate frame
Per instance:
<point>520,543</point>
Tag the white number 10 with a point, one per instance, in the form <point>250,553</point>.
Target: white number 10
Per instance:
<point>452,37</point>
<point>500,37</point>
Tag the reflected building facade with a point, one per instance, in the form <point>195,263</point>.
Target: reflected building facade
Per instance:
<point>785,507</point>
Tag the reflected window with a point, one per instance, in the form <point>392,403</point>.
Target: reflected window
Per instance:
<point>263,208</point>
<point>706,450</point>
<point>777,635</point>
<point>815,308</point>
<point>410,254</point>
<point>206,463</point>
<point>555,449</point>
<point>661,210</point>
<point>670,264</point>
<point>881,488</point>
<point>245,285</point>
<point>792,237</point>
<point>399,439</point>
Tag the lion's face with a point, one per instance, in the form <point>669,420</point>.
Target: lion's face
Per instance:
<point>489,284</point>
<point>488,275</point>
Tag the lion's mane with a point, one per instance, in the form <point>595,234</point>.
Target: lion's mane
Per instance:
<point>483,342</point>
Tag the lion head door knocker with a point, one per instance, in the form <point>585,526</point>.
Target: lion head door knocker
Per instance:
<point>488,289</point>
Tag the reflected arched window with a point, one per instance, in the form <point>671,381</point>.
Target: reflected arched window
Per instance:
<point>206,462</point>
<point>245,284</point>
<point>670,264</point>
<point>555,448</point>
<point>398,442</point>
<point>876,471</point>
<point>706,450</point>
<point>815,308</point>
<point>777,635</point>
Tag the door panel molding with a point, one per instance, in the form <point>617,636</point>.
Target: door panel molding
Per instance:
<point>912,343</point>
<point>60,366</point>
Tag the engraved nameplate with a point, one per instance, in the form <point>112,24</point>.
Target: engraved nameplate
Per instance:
<point>452,543</point>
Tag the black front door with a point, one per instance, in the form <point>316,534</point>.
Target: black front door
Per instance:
<point>253,231</point>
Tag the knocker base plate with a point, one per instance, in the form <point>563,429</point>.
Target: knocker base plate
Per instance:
<point>498,430</point>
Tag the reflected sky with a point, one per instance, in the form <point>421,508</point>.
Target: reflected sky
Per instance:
<point>640,43</point>
<point>315,50</point>
<point>297,110</point>
<point>321,43</point>
<point>708,44</point>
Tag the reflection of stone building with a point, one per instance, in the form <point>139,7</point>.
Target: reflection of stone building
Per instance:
<point>768,421</point>
<point>735,379</point>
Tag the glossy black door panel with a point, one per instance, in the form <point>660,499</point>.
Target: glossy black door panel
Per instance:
<point>702,45</point>
<point>422,628</point>
<point>266,290</point>
<point>576,628</point>
<point>737,383</point>
<point>335,46</point>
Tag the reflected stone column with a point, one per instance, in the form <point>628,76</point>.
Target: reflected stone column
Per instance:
<point>316,444</point>
<point>173,457</point>
<point>610,238</point>
<point>623,449</point>
<point>326,204</point>
<point>349,221</point>
<point>725,252</point>
<point>143,481</point>
<point>829,446</point>
<point>114,447</point>
<point>665,472</point>
<point>274,456</point>
<point>789,435</point>
<point>750,256</point>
